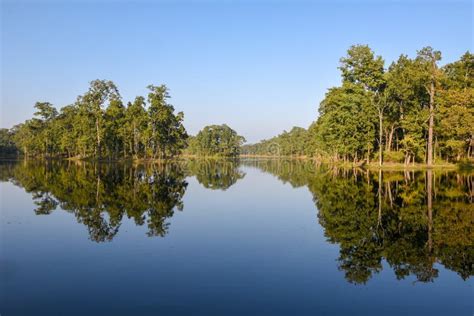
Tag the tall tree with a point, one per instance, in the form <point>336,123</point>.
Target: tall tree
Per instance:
<point>93,103</point>
<point>362,67</point>
<point>136,124</point>
<point>427,59</point>
<point>166,131</point>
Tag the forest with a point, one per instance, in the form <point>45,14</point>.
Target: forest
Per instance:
<point>99,126</point>
<point>415,111</point>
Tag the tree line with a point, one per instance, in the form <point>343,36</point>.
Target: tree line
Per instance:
<point>413,111</point>
<point>99,126</point>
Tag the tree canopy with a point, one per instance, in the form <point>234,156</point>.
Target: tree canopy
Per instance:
<point>98,125</point>
<point>413,111</point>
<point>216,140</point>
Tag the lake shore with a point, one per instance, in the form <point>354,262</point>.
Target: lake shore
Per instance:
<point>374,164</point>
<point>469,165</point>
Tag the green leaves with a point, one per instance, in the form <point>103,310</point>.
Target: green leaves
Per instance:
<point>99,126</point>
<point>400,103</point>
<point>216,140</point>
<point>361,66</point>
<point>166,133</point>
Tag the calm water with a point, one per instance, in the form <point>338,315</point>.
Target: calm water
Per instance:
<point>222,238</point>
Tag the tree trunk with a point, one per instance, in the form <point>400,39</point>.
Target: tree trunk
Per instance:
<point>430,126</point>
<point>97,128</point>
<point>135,139</point>
<point>380,137</point>
<point>390,138</point>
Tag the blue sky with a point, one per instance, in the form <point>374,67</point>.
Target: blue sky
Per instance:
<point>259,66</point>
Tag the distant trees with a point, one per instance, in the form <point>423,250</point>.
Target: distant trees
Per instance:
<point>216,140</point>
<point>99,126</point>
<point>290,143</point>
<point>413,111</point>
<point>7,145</point>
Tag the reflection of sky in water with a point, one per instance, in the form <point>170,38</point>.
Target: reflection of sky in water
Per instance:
<point>256,248</point>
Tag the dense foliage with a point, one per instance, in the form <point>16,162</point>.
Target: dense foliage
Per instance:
<point>98,125</point>
<point>414,111</point>
<point>7,144</point>
<point>216,140</point>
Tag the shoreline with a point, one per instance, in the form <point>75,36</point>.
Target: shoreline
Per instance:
<point>372,166</point>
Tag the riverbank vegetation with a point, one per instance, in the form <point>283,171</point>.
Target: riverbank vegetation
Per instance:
<point>98,125</point>
<point>415,111</point>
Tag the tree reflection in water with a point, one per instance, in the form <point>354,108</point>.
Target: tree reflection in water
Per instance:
<point>411,219</point>
<point>100,195</point>
<point>215,174</point>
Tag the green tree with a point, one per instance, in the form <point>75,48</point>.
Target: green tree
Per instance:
<point>114,134</point>
<point>361,66</point>
<point>167,135</point>
<point>427,60</point>
<point>92,104</point>
<point>217,140</point>
<point>135,126</point>
<point>7,143</point>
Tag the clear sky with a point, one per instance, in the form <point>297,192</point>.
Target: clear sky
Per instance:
<point>259,66</point>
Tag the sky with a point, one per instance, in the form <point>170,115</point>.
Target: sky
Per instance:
<point>259,66</point>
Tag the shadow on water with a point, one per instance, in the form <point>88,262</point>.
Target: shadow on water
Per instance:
<point>413,220</point>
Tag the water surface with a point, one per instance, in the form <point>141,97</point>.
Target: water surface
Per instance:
<point>254,237</point>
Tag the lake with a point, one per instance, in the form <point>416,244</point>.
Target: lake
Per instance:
<point>249,237</point>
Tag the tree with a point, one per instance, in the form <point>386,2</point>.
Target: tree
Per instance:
<point>456,108</point>
<point>135,126</point>
<point>427,60</point>
<point>115,129</point>
<point>92,104</point>
<point>99,126</point>
<point>167,134</point>
<point>347,122</point>
<point>7,143</point>
<point>217,140</point>
<point>362,67</point>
